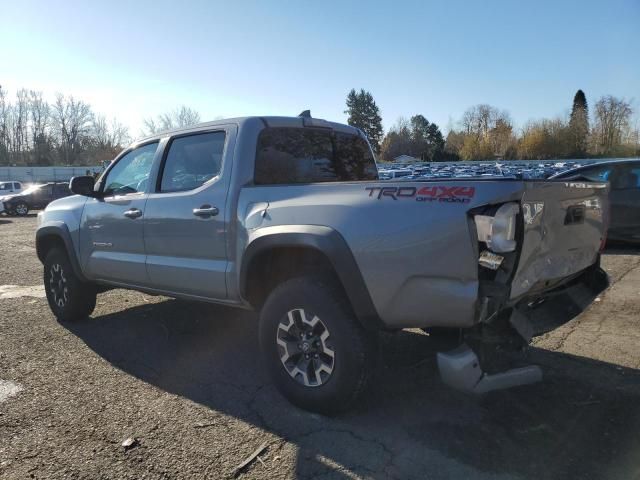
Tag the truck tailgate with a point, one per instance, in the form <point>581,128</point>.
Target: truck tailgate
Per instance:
<point>564,230</point>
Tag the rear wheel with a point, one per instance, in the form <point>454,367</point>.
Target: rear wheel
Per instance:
<point>69,298</point>
<point>317,353</point>
<point>22,209</point>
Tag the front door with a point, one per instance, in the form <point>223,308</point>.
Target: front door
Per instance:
<point>185,217</point>
<point>111,236</point>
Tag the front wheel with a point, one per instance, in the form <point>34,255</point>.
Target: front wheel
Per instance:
<point>22,209</point>
<point>69,298</point>
<point>317,353</point>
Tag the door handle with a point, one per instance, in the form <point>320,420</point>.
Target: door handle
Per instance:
<point>133,213</point>
<point>205,211</point>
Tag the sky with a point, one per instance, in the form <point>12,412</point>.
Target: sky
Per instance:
<point>136,59</point>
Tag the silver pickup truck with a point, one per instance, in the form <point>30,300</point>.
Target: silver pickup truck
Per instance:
<point>287,216</point>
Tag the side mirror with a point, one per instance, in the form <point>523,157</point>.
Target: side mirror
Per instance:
<point>82,186</point>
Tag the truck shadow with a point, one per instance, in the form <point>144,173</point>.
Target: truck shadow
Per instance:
<point>581,422</point>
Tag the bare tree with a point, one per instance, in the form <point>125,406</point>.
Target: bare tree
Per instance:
<point>39,118</point>
<point>19,127</point>
<point>72,122</point>
<point>612,123</point>
<point>480,119</point>
<point>108,136</point>
<point>178,118</point>
<point>5,139</point>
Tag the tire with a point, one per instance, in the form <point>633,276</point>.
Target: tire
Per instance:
<point>341,353</point>
<point>70,299</point>
<point>21,209</point>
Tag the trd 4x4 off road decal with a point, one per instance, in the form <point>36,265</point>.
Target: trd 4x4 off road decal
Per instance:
<point>431,193</point>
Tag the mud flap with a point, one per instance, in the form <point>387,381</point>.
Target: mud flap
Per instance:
<point>460,369</point>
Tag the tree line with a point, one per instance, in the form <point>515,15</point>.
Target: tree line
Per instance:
<point>65,132</point>
<point>487,133</point>
<point>68,131</point>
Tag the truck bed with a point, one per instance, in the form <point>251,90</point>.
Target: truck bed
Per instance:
<point>416,245</point>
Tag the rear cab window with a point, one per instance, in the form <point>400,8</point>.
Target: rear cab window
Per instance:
<point>287,155</point>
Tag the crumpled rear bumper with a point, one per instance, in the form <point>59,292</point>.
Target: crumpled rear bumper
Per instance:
<point>547,310</point>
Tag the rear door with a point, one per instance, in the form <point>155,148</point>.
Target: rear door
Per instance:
<point>111,237</point>
<point>185,223</point>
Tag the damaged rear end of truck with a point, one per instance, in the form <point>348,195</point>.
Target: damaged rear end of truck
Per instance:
<point>538,267</point>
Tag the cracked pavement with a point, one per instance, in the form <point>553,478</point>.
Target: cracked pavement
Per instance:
<point>187,382</point>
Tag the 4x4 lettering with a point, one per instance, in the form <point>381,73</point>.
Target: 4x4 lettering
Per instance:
<point>466,192</point>
<point>447,192</point>
<point>428,191</point>
<point>425,194</point>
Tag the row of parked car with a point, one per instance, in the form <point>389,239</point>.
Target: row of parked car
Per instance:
<point>16,199</point>
<point>623,176</point>
<point>527,170</point>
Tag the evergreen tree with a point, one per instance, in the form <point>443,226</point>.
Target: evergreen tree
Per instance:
<point>579,125</point>
<point>427,139</point>
<point>365,115</point>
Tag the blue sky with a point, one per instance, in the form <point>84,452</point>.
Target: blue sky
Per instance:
<point>135,59</point>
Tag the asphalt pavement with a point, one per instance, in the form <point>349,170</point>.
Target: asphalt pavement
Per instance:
<point>183,386</point>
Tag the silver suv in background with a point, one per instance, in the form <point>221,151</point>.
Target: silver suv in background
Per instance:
<point>287,216</point>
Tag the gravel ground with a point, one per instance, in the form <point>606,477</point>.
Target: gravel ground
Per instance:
<point>186,382</point>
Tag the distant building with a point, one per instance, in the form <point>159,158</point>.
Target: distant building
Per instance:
<point>405,159</point>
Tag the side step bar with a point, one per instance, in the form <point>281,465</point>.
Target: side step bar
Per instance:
<point>460,369</point>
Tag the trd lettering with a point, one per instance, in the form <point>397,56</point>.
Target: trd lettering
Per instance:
<point>438,193</point>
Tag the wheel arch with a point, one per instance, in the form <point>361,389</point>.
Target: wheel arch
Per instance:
<point>57,235</point>
<point>274,251</point>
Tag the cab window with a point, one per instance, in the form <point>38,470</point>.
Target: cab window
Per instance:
<point>306,155</point>
<point>192,161</point>
<point>131,173</point>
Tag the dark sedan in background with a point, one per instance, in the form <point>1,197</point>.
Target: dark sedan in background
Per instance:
<point>624,196</point>
<point>36,196</point>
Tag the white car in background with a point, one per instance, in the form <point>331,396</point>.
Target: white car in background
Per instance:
<point>7,189</point>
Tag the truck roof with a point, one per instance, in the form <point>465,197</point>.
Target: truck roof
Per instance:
<point>269,121</point>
